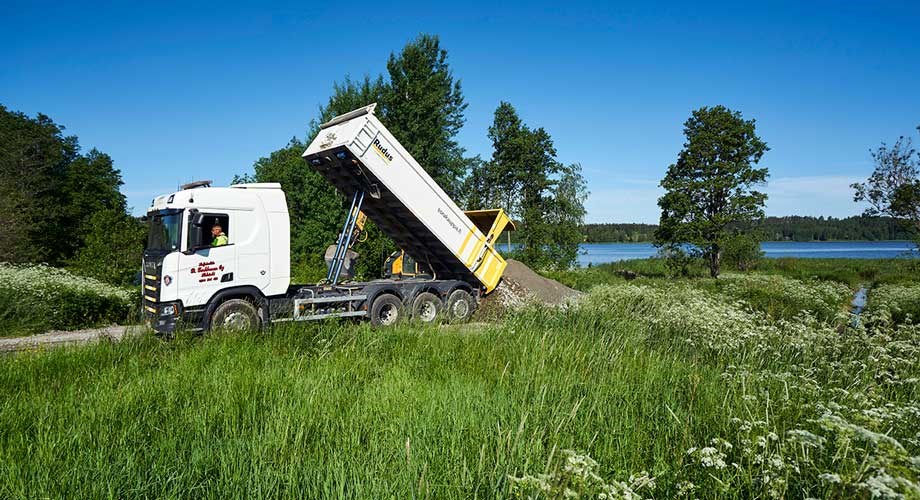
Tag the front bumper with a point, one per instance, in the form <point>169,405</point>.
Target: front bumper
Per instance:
<point>163,317</point>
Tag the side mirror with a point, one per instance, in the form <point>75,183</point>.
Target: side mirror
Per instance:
<point>196,218</point>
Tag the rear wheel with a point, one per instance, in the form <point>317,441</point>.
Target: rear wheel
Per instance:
<point>460,306</point>
<point>387,310</point>
<point>427,307</point>
<point>235,315</point>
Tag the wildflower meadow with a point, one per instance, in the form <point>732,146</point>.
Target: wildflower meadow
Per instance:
<point>750,386</point>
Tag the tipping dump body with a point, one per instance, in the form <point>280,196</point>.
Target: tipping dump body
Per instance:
<point>355,152</point>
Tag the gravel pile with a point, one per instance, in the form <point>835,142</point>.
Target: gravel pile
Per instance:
<point>519,285</point>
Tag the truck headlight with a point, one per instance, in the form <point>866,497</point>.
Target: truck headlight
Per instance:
<point>168,310</point>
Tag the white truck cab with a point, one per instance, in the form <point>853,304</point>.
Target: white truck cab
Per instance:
<point>183,272</point>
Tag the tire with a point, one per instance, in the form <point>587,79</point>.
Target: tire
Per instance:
<point>235,315</point>
<point>387,310</point>
<point>427,307</point>
<point>460,306</point>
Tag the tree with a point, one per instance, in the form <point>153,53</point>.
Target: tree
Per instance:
<point>114,245</point>
<point>525,179</point>
<point>893,189</point>
<point>49,190</point>
<point>424,109</point>
<point>711,184</point>
<point>566,217</point>
<point>34,155</point>
<point>91,185</point>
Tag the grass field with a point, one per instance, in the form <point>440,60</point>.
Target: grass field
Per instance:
<point>651,388</point>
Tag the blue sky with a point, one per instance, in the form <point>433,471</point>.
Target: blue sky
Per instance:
<point>176,92</point>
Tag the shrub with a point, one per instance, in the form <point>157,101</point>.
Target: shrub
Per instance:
<point>114,245</point>
<point>38,297</point>
<point>741,251</point>
<point>678,260</point>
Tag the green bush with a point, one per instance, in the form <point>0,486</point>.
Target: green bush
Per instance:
<point>678,260</point>
<point>114,246</point>
<point>742,252</point>
<point>38,298</point>
<point>785,298</point>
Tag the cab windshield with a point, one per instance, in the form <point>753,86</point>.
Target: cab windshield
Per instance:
<point>164,232</point>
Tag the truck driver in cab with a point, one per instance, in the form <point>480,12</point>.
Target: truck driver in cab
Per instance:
<point>220,239</point>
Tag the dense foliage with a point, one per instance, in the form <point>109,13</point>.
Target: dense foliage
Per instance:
<point>711,186</point>
<point>741,251</point>
<point>543,195</point>
<point>52,198</point>
<point>112,247</point>
<point>38,298</point>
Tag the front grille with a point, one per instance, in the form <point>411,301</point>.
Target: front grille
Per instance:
<point>151,286</point>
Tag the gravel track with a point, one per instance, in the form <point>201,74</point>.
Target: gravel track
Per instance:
<point>55,339</point>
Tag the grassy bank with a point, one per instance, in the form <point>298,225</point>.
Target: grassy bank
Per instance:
<point>852,272</point>
<point>682,389</point>
<point>39,298</point>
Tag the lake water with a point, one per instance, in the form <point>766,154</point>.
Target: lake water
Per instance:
<point>602,253</point>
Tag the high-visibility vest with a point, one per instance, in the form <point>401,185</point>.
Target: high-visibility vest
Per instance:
<point>220,240</point>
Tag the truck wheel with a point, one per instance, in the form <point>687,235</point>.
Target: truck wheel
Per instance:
<point>235,315</point>
<point>427,307</point>
<point>460,306</point>
<point>386,310</point>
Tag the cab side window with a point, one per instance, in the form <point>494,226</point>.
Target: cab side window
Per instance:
<point>408,266</point>
<point>214,231</point>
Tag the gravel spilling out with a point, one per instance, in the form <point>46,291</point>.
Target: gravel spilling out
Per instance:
<point>519,285</point>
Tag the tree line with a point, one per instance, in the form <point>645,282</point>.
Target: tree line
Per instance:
<point>787,228</point>
<point>60,205</point>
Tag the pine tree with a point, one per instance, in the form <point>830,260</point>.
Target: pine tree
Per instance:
<point>711,184</point>
<point>424,110</point>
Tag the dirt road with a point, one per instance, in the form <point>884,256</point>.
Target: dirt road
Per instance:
<point>54,339</point>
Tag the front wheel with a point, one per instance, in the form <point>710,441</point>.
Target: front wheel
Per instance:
<point>460,306</point>
<point>387,310</point>
<point>235,315</point>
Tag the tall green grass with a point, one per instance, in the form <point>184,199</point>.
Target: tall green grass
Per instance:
<point>327,410</point>
<point>683,382</point>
